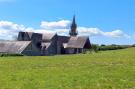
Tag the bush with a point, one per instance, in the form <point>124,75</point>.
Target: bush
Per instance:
<point>112,47</point>
<point>7,55</point>
<point>133,45</point>
<point>96,48</point>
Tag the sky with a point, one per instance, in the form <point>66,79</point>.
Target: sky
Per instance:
<point>104,21</point>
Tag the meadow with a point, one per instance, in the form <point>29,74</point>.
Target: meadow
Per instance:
<point>103,70</point>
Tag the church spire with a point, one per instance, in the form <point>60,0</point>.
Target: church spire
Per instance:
<point>73,31</point>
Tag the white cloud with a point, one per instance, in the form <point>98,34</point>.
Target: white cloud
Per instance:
<point>62,24</point>
<point>115,33</point>
<point>61,27</point>
<point>98,32</point>
<point>10,29</point>
<point>11,26</point>
<point>89,31</point>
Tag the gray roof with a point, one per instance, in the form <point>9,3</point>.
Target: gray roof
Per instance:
<point>48,36</point>
<point>13,46</point>
<point>46,45</point>
<point>77,42</point>
<point>30,34</point>
<point>34,35</point>
<point>63,39</point>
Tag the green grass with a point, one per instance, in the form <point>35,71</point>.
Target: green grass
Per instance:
<point>103,70</point>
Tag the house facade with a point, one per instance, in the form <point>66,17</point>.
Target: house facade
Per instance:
<point>34,44</point>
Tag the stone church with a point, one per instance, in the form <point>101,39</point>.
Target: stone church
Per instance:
<point>36,44</point>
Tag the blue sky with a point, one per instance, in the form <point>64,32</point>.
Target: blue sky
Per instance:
<point>105,21</point>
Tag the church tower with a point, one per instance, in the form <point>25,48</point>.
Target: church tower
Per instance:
<point>73,31</point>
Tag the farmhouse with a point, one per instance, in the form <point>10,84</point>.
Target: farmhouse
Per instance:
<point>30,43</point>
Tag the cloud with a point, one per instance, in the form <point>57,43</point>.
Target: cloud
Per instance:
<point>62,24</point>
<point>89,31</point>
<point>62,27</point>
<point>8,30</point>
<point>98,32</point>
<point>11,26</point>
<point>115,34</point>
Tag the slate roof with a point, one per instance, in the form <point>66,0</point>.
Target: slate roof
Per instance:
<point>45,45</point>
<point>33,35</point>
<point>48,36</point>
<point>30,34</point>
<point>77,42</point>
<point>13,46</point>
<point>63,39</point>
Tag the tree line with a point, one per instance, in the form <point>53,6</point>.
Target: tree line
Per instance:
<point>103,47</point>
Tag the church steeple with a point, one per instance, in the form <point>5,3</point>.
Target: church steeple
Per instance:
<point>73,31</point>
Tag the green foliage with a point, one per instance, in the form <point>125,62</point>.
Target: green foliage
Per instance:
<point>8,55</point>
<point>111,47</point>
<point>95,48</point>
<point>102,47</point>
<point>105,70</point>
<point>133,45</point>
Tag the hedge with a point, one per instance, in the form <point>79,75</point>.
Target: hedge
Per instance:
<point>7,55</point>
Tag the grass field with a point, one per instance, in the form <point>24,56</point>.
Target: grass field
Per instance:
<point>103,70</point>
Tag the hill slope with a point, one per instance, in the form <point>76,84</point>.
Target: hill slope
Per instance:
<point>104,70</point>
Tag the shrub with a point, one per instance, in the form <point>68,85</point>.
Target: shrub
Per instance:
<point>7,55</point>
<point>112,47</point>
<point>133,45</point>
<point>95,48</point>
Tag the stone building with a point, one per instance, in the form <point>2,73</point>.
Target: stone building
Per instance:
<point>30,43</point>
